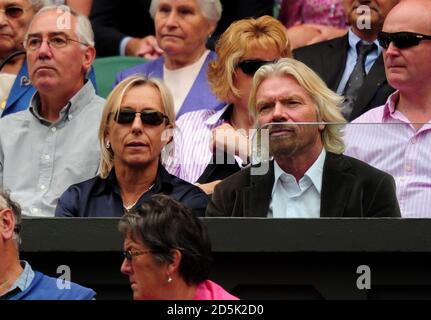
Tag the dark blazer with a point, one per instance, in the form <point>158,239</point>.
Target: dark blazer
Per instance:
<point>112,20</point>
<point>328,60</point>
<point>350,188</point>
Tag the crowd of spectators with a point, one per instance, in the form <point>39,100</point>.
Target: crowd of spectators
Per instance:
<point>323,112</point>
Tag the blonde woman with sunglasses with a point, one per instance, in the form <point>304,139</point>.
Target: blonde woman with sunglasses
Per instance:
<point>135,126</point>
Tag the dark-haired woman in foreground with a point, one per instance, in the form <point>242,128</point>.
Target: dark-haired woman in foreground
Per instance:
<point>167,253</point>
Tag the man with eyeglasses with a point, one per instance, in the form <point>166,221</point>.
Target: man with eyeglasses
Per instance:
<point>16,89</point>
<point>398,137</point>
<point>53,144</point>
<point>18,281</point>
<point>352,65</point>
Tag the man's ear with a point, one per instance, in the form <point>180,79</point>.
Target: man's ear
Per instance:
<point>88,59</point>
<point>7,223</point>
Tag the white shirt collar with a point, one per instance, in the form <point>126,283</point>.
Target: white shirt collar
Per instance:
<point>354,39</point>
<point>314,173</point>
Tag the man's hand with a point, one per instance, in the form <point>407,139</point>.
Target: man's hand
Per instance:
<point>305,34</point>
<point>208,188</point>
<point>326,33</point>
<point>146,48</point>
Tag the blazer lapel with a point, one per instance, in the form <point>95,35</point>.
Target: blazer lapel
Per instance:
<point>337,56</point>
<point>375,78</point>
<point>200,95</point>
<point>257,196</point>
<point>21,85</point>
<point>337,183</point>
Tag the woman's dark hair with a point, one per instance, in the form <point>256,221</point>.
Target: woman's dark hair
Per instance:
<point>163,224</point>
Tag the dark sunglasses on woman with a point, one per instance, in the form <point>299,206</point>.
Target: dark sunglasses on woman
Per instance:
<point>251,66</point>
<point>401,40</point>
<point>152,118</point>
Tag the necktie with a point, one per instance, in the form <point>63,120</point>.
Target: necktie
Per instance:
<point>356,78</point>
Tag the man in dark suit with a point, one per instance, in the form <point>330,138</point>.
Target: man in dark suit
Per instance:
<point>308,176</point>
<point>336,60</point>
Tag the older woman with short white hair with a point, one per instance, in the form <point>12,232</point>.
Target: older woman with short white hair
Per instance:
<point>182,29</point>
<point>15,86</point>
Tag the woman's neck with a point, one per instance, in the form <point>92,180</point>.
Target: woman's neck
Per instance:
<point>134,182</point>
<point>183,60</point>
<point>181,291</point>
<point>240,118</point>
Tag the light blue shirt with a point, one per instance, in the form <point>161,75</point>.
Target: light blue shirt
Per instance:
<point>39,160</point>
<point>352,56</point>
<point>291,199</point>
<point>25,278</point>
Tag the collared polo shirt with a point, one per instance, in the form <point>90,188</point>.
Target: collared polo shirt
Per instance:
<point>39,160</point>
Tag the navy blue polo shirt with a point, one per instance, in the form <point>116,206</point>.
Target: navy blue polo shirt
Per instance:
<point>99,197</point>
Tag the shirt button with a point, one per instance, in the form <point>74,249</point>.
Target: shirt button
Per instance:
<point>408,168</point>
<point>70,117</point>
<point>46,157</point>
<point>53,129</point>
<point>42,187</point>
<point>414,141</point>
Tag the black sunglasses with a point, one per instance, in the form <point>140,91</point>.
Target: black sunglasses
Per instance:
<point>152,118</point>
<point>251,66</point>
<point>13,12</point>
<point>401,40</point>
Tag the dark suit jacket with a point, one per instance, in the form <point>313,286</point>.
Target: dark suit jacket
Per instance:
<point>112,20</point>
<point>350,188</point>
<point>328,60</point>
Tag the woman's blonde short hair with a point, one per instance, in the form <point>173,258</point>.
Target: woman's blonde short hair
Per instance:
<point>112,106</point>
<point>237,41</point>
<point>328,102</point>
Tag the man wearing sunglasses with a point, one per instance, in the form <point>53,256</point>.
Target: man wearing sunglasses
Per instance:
<point>398,136</point>
<point>53,144</point>
<point>18,281</point>
<point>352,65</point>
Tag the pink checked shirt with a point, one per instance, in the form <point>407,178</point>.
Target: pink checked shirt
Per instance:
<point>385,138</point>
